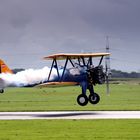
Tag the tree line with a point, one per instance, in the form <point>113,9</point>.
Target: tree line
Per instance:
<point>121,74</point>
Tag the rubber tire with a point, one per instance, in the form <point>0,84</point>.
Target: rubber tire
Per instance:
<point>2,91</point>
<point>94,98</point>
<point>82,100</point>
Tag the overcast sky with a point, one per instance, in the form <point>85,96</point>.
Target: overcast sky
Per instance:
<point>32,29</point>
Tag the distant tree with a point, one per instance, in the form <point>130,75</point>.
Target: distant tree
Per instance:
<point>134,75</point>
<point>17,70</point>
<point>120,74</point>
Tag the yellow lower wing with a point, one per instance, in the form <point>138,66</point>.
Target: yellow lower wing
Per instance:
<point>57,84</point>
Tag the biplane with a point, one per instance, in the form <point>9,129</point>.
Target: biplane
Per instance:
<point>78,69</point>
<point>82,72</point>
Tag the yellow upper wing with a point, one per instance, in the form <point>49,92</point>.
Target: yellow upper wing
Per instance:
<point>62,56</point>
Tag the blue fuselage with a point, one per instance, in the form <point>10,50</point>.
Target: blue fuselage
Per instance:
<point>72,75</point>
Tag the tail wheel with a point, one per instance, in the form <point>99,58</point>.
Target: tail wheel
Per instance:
<point>82,100</point>
<point>94,98</point>
<point>2,91</point>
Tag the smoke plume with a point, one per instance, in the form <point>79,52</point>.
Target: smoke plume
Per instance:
<point>28,77</point>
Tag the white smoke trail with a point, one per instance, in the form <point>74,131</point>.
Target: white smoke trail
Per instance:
<point>27,77</point>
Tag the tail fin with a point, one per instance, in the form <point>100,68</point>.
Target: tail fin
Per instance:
<point>4,68</point>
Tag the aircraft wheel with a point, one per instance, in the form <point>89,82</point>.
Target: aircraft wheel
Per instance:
<point>2,91</point>
<point>94,98</point>
<point>82,100</point>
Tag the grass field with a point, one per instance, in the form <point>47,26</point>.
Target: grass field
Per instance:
<point>70,130</point>
<point>125,96</point>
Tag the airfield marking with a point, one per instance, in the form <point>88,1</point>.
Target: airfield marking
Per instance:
<point>70,115</point>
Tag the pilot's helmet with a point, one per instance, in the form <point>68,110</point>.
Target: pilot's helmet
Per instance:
<point>91,66</point>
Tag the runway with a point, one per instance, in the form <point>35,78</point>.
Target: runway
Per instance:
<point>70,115</point>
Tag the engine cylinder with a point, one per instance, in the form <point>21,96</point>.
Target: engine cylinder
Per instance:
<point>96,75</point>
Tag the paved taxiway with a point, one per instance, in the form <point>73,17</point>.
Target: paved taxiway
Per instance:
<point>70,115</point>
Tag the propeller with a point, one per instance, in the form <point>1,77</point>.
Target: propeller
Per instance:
<point>107,66</point>
<point>107,74</point>
<point>107,82</point>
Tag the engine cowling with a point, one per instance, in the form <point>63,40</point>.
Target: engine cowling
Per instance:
<point>96,75</point>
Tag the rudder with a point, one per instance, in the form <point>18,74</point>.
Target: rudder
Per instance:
<point>4,68</point>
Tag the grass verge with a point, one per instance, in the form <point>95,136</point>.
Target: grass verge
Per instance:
<point>122,97</point>
<point>70,130</point>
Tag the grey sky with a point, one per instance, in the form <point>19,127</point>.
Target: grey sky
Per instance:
<point>31,29</point>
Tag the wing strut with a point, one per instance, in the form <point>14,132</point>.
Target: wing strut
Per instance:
<point>101,60</point>
<point>89,61</point>
<point>83,61</point>
<point>51,69</point>
<point>54,64</point>
<point>64,68</point>
<point>71,62</point>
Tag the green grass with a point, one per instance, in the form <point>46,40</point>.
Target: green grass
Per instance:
<point>70,130</point>
<point>123,97</point>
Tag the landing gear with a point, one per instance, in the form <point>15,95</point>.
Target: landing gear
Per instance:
<point>1,90</point>
<point>82,100</point>
<point>94,98</point>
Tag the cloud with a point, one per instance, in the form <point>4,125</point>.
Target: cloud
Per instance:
<point>43,27</point>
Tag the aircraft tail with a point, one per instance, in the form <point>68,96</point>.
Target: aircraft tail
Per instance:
<point>4,68</point>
